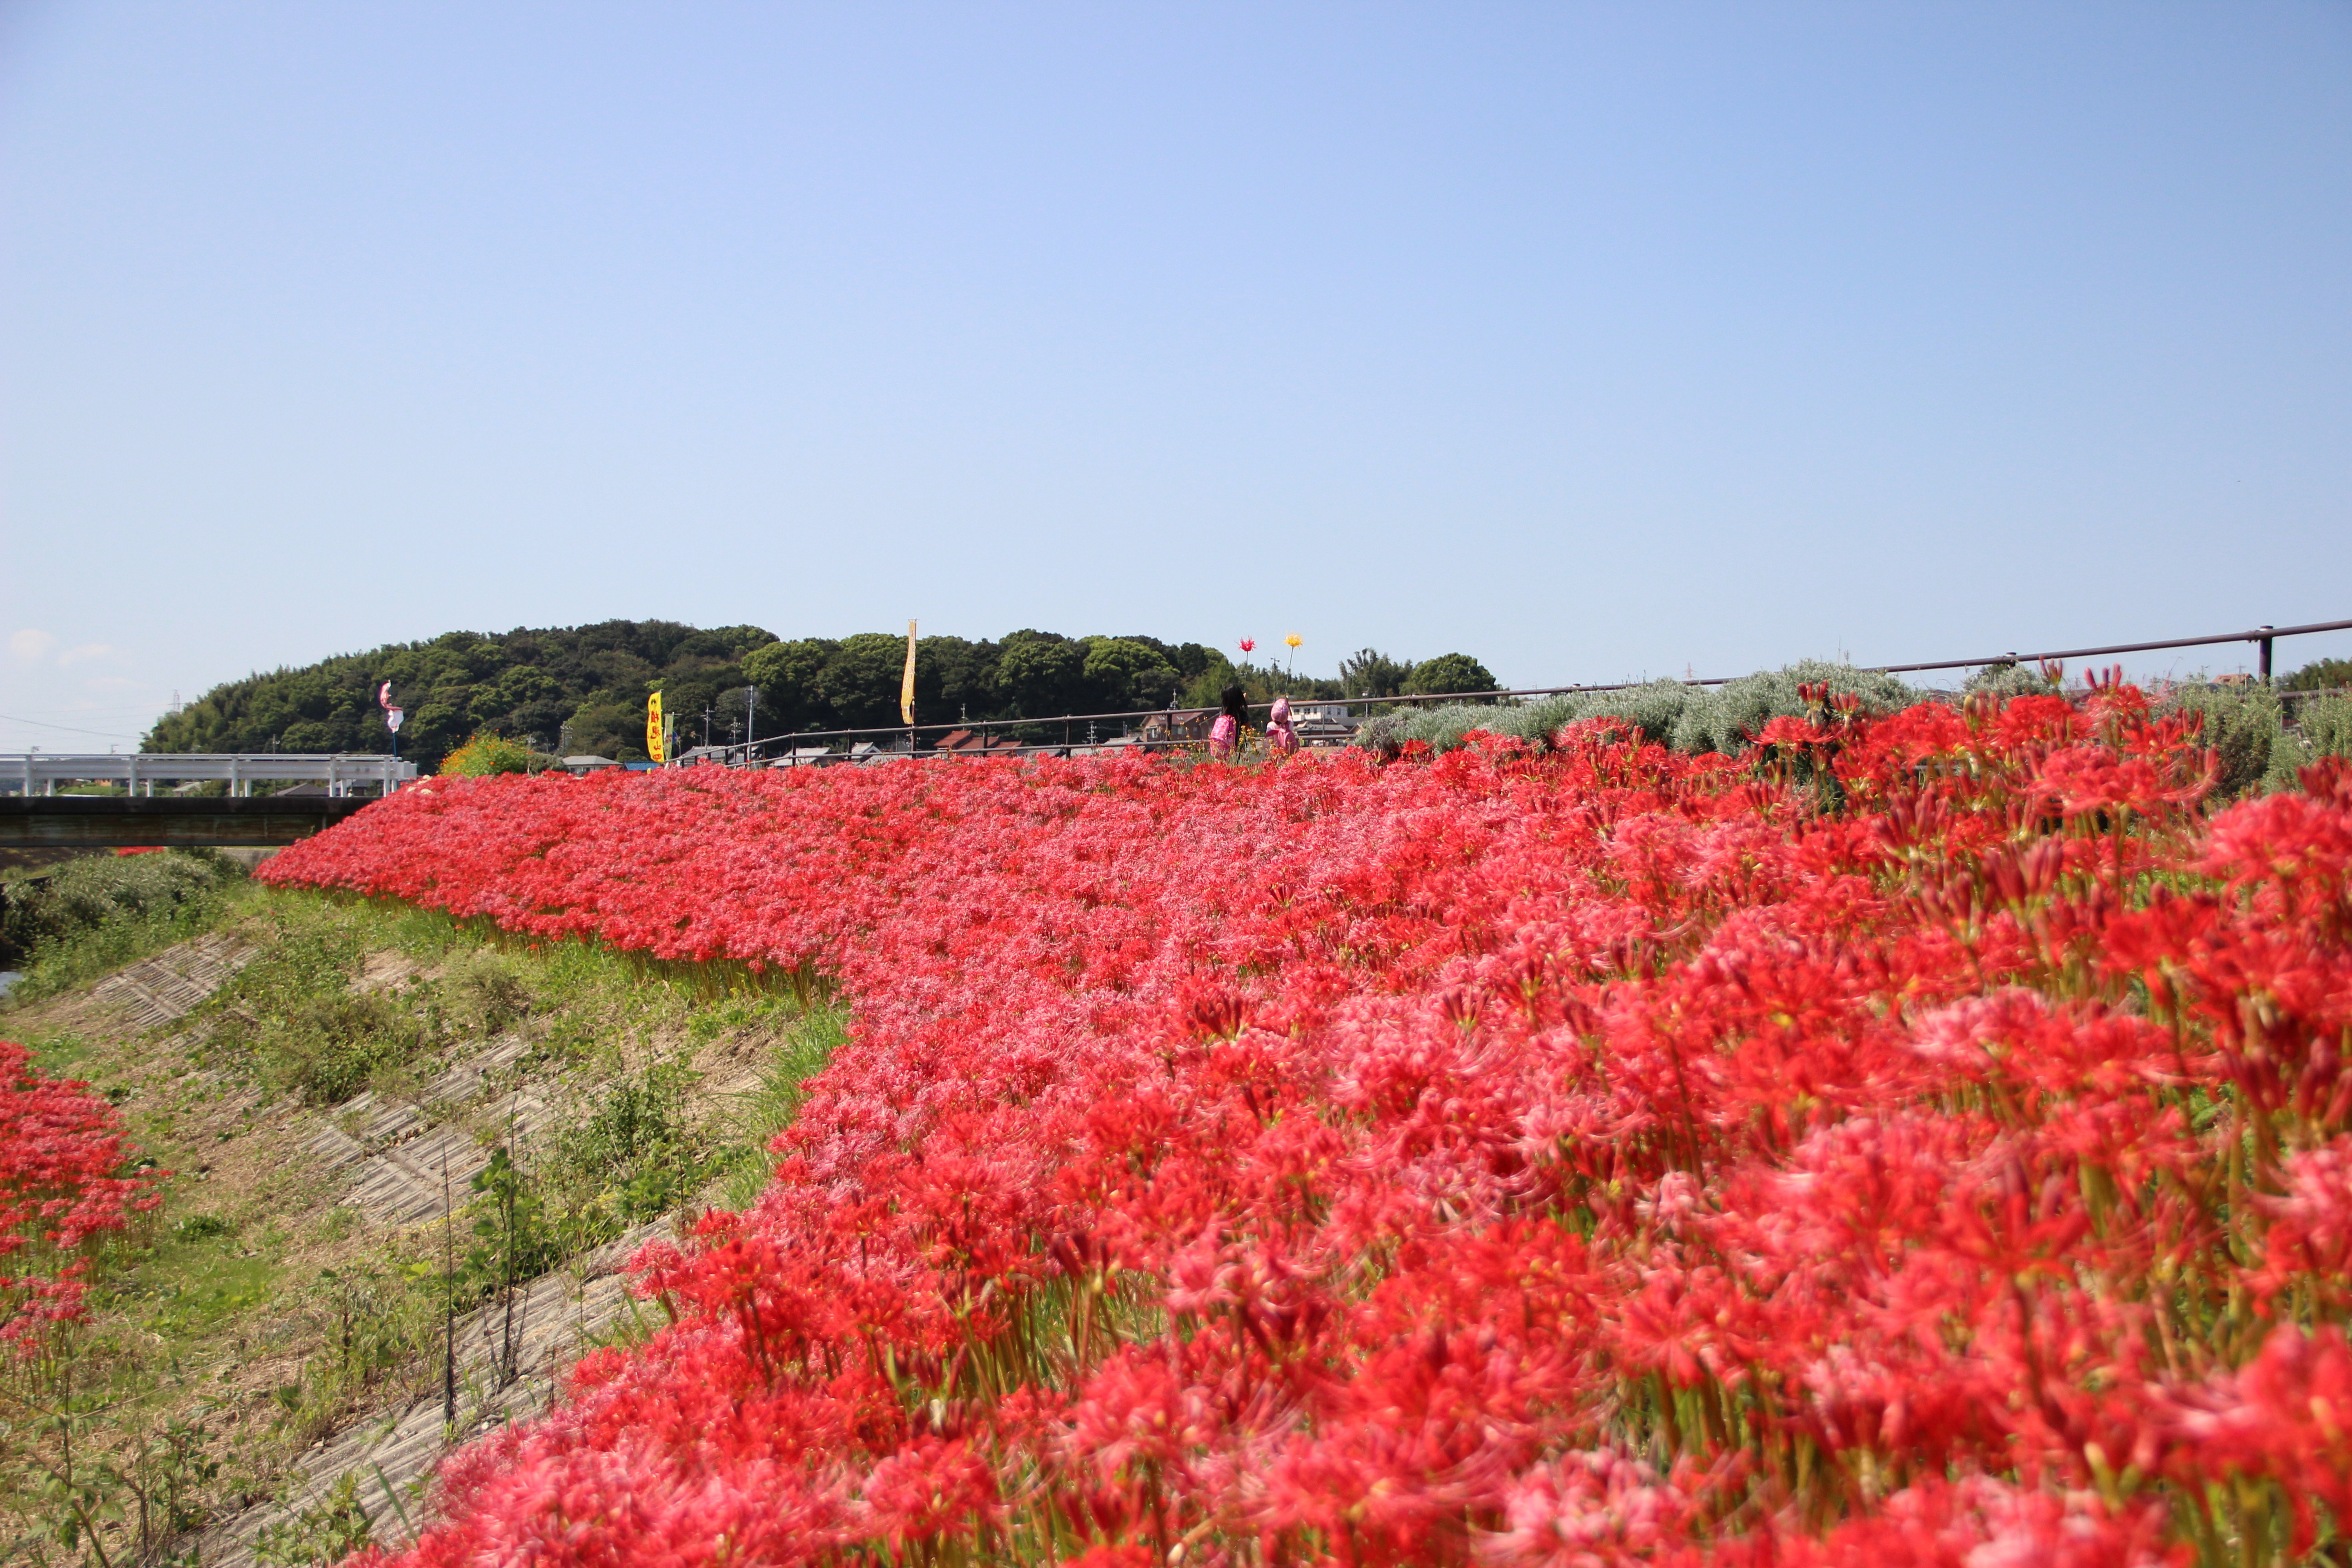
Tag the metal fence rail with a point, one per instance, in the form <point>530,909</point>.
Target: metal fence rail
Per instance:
<point>774,749</point>
<point>340,772</point>
<point>2262,636</point>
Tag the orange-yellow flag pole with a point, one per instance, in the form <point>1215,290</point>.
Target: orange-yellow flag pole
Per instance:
<point>907,689</point>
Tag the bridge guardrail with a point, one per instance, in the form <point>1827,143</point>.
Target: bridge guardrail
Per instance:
<point>42,772</point>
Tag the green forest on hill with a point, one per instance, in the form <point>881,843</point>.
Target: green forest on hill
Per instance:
<point>583,688</point>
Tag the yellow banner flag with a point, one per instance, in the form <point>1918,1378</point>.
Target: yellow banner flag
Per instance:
<point>906,684</point>
<point>654,732</point>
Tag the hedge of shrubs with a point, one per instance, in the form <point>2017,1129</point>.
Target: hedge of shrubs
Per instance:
<point>2262,738</point>
<point>104,909</point>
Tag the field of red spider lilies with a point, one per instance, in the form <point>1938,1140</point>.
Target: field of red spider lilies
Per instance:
<point>1922,1141</point>
<point>61,1150</point>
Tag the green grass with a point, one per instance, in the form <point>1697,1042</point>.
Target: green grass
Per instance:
<point>257,1313</point>
<point>59,1053</point>
<point>756,1116</point>
<point>101,914</point>
<point>188,1285</point>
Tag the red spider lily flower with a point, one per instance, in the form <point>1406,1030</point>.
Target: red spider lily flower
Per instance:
<point>63,1183</point>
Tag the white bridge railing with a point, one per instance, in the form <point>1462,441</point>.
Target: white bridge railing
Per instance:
<point>39,772</point>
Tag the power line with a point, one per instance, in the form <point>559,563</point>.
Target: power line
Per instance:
<point>69,729</point>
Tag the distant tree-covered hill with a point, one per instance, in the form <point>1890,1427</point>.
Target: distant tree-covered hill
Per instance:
<point>530,684</point>
<point>583,688</point>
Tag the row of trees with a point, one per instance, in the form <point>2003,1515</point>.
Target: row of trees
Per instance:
<point>583,689</point>
<point>533,685</point>
<point>853,682</point>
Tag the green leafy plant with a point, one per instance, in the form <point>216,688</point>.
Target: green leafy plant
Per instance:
<point>635,1156</point>
<point>325,1049</point>
<point>484,991</point>
<point>2010,680</point>
<point>486,753</point>
<point>327,1532</point>
<point>100,913</point>
<point>512,1242</point>
<point>292,1013</point>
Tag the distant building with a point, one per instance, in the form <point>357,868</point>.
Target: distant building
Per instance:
<point>971,742</point>
<point>1322,723</point>
<point>1173,728</point>
<point>1331,713</point>
<point>588,764</point>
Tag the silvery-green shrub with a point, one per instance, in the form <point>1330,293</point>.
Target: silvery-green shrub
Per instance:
<point>2243,724</point>
<point>2322,727</point>
<point>1654,708</point>
<point>2009,680</point>
<point>1723,719</point>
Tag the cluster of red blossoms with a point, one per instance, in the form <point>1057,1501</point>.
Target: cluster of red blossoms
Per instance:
<point>60,1149</point>
<point>1925,1140</point>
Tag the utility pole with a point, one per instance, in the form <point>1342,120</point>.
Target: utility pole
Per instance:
<point>706,725</point>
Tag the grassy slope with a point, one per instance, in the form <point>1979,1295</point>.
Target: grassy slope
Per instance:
<point>262,1311</point>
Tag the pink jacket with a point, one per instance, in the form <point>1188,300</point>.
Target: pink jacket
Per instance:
<point>1281,740</point>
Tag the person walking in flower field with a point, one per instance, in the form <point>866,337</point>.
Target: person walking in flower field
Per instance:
<point>1226,735</point>
<point>1281,738</point>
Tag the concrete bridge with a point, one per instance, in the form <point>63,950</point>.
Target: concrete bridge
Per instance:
<point>343,772</point>
<point>66,822</point>
<point>34,817</point>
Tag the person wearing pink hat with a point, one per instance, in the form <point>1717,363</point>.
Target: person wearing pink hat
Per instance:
<point>1281,740</point>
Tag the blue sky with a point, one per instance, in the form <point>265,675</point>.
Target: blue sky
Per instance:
<point>1595,340</point>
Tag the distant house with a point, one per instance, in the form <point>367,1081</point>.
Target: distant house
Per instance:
<point>1332,712</point>
<point>1164,729</point>
<point>1322,723</point>
<point>588,764</point>
<point>971,742</point>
